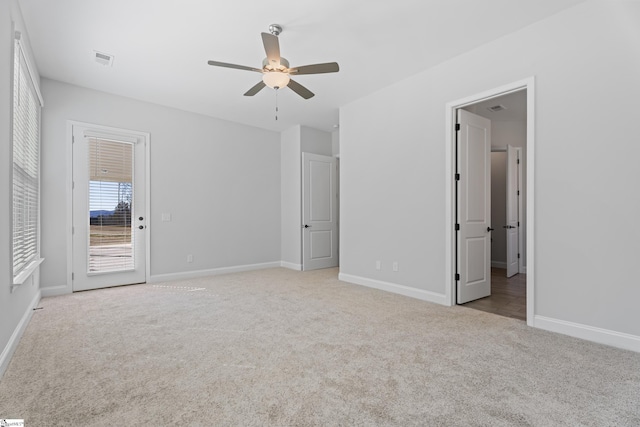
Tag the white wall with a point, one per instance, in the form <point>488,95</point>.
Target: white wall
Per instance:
<point>315,141</point>
<point>393,163</point>
<point>15,307</point>
<point>290,155</point>
<point>219,180</point>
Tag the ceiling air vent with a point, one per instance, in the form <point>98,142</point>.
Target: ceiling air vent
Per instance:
<point>497,108</point>
<point>103,58</point>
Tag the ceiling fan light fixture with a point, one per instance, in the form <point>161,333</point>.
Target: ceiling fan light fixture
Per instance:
<point>275,79</point>
<point>275,69</point>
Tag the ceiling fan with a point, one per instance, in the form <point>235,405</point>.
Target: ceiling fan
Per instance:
<point>275,69</point>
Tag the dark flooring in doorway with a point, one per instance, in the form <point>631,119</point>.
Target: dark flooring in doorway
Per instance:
<point>508,296</point>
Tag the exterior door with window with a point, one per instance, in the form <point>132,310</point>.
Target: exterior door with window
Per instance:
<point>109,223</point>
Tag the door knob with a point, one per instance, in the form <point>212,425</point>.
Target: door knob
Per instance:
<point>141,227</point>
<point>489,229</point>
<point>508,226</point>
<point>140,218</point>
<point>307,226</point>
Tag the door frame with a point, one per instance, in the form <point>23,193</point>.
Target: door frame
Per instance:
<point>527,84</point>
<point>521,213</point>
<point>145,137</point>
<point>520,230</point>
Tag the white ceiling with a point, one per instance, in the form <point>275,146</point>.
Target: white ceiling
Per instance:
<point>161,48</point>
<point>515,107</point>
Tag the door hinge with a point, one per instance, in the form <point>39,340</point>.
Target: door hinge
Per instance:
<point>457,276</point>
<point>73,185</point>
<point>457,227</point>
<point>73,139</point>
<point>518,256</point>
<point>73,276</point>
<point>518,162</point>
<point>518,192</point>
<point>457,126</point>
<point>457,176</point>
<point>518,223</point>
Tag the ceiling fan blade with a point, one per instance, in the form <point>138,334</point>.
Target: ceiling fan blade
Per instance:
<point>272,47</point>
<point>328,67</point>
<point>237,67</point>
<point>300,90</point>
<point>257,88</point>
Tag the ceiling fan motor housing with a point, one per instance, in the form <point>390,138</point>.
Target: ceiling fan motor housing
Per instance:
<point>275,29</point>
<point>267,66</point>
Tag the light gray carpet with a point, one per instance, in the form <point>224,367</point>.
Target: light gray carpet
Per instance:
<point>279,347</point>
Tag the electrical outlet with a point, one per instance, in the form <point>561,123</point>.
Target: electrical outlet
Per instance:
<point>395,265</point>
<point>378,265</point>
<point>189,258</point>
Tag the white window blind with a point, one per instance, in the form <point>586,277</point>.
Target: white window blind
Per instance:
<point>26,166</point>
<point>110,202</point>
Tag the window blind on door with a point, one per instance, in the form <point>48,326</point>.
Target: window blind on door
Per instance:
<point>110,206</point>
<point>26,167</point>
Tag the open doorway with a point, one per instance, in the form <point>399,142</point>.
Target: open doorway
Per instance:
<point>509,110</point>
<point>508,116</point>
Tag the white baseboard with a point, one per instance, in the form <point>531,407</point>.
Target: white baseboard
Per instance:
<point>5,356</point>
<point>54,291</point>
<point>291,266</point>
<point>212,272</point>
<point>395,288</point>
<point>590,333</point>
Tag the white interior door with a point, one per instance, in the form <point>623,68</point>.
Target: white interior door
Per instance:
<point>512,224</point>
<point>474,207</point>
<point>108,208</point>
<point>319,212</point>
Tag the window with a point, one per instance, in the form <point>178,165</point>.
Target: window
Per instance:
<point>26,168</point>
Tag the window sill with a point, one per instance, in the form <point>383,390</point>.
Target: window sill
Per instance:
<point>27,272</point>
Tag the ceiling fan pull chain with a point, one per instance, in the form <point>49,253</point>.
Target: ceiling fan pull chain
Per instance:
<point>276,103</point>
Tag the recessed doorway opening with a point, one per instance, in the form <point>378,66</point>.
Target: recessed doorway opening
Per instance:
<point>508,118</point>
<point>490,235</point>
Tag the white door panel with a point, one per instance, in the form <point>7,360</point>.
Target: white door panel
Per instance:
<point>319,212</point>
<point>474,207</point>
<point>321,244</point>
